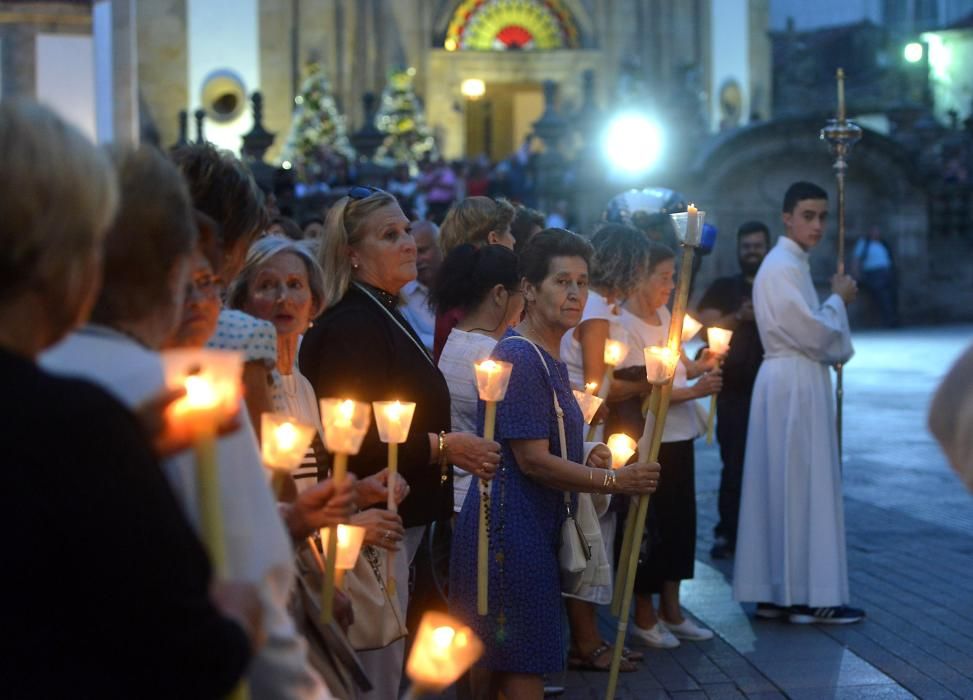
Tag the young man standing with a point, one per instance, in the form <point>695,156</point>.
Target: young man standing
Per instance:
<point>728,304</point>
<point>790,555</point>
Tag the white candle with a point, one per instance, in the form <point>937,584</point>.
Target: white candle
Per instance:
<point>660,364</point>
<point>719,340</point>
<point>492,378</point>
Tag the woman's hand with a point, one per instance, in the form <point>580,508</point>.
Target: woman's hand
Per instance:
<point>600,457</point>
<point>322,505</point>
<point>383,528</point>
<point>474,454</point>
<point>373,490</point>
<point>170,438</point>
<point>709,383</point>
<point>638,479</point>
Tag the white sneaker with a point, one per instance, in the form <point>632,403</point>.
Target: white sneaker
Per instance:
<point>687,629</point>
<point>656,636</point>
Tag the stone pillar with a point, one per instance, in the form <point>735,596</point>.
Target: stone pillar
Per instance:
<point>125,117</point>
<point>277,54</point>
<point>163,63</point>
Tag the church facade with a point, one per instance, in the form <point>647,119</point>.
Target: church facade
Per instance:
<point>191,54</point>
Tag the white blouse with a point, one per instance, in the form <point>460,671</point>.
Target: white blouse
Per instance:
<point>462,349</point>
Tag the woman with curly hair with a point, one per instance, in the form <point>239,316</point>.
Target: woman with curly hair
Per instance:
<point>619,262</point>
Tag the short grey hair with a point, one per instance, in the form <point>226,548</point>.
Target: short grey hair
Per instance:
<point>60,197</point>
<point>260,254</point>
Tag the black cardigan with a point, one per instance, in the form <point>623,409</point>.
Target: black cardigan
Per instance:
<point>105,584</point>
<point>355,350</point>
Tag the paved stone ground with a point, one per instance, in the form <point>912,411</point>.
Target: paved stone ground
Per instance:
<point>910,547</point>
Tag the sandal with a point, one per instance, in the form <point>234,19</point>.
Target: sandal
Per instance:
<point>590,662</point>
<point>626,653</point>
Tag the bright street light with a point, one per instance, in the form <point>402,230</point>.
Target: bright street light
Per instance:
<point>913,52</point>
<point>632,143</point>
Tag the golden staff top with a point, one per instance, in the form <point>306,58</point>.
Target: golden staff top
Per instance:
<point>841,135</point>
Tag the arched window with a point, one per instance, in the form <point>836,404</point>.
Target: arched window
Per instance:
<point>504,25</point>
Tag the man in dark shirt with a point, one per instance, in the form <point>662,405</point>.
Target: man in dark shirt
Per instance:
<point>727,304</point>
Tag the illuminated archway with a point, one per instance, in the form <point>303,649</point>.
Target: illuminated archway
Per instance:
<point>503,25</point>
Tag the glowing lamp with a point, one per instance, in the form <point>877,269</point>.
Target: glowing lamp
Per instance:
<point>660,364</point>
<point>492,378</point>
<point>615,352</point>
<point>690,327</point>
<point>913,52</point>
<point>589,404</point>
<point>443,651</point>
<point>283,441</point>
<point>211,379</point>
<point>689,226</point>
<point>622,448</point>
<point>350,538</point>
<point>719,340</point>
<point>345,423</point>
<point>393,420</point>
<point>472,88</point>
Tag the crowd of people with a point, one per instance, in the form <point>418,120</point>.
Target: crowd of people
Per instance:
<point>113,257</point>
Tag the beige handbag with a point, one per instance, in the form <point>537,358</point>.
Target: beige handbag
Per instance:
<point>378,616</point>
<point>574,552</point>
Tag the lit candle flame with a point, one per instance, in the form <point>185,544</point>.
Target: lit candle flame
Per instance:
<point>590,387</point>
<point>690,327</point>
<point>719,340</point>
<point>622,448</point>
<point>492,378</point>
<point>286,435</point>
<point>200,392</point>
<point>660,363</point>
<point>615,352</point>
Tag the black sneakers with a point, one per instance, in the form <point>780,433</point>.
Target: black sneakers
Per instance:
<point>841,615</point>
<point>769,611</point>
<point>804,615</point>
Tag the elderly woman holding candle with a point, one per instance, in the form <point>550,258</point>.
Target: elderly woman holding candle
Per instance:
<point>673,509</point>
<point>483,283</point>
<point>148,624</point>
<point>362,348</point>
<point>282,282</point>
<point>154,234</point>
<point>522,630</point>
<point>618,264</point>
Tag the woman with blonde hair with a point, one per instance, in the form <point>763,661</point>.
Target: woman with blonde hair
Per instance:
<point>362,348</point>
<point>478,221</point>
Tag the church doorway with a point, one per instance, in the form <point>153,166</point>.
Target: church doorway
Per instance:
<point>497,123</point>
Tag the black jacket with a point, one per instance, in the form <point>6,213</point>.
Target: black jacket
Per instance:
<point>355,350</point>
<point>105,585</point>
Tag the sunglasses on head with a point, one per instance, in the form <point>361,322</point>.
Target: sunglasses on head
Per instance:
<point>362,191</point>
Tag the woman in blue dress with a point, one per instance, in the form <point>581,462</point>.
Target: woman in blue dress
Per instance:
<point>522,631</point>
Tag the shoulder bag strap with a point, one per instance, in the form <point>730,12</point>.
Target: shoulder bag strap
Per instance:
<point>557,404</point>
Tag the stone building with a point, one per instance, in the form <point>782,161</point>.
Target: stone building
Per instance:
<point>170,55</point>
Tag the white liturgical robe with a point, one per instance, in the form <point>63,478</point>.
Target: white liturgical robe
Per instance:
<point>790,546</point>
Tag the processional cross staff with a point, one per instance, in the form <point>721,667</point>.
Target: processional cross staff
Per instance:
<point>841,135</point>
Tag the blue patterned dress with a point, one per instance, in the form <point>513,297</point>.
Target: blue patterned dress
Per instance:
<point>523,630</point>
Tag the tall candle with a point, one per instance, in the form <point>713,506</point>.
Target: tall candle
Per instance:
<point>393,420</point>
<point>492,378</point>
<point>345,423</point>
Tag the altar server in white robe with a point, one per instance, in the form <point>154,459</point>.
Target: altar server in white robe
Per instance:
<point>790,556</point>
